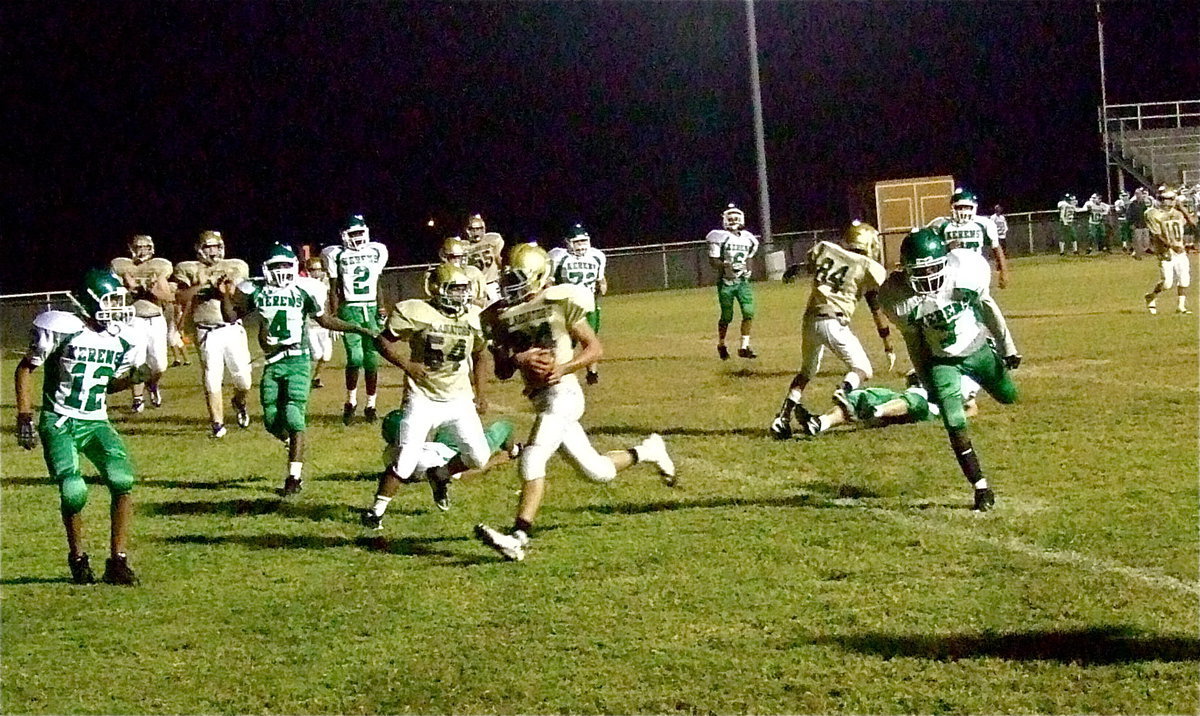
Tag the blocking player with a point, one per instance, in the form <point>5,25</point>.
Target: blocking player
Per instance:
<point>454,251</point>
<point>1097,210</point>
<point>730,249</point>
<point>1068,207</point>
<point>354,268</point>
<point>965,229</point>
<point>878,407</point>
<point>320,338</point>
<point>222,344</point>
<point>146,278</point>
<point>842,275</point>
<point>285,301</point>
<point>580,263</point>
<point>484,249</point>
<point>537,330</point>
<point>86,357</point>
<point>443,384</point>
<point>936,301</point>
<point>1166,224</point>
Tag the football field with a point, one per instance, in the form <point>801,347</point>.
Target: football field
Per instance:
<point>838,574</point>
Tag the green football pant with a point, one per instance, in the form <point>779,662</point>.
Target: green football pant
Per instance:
<point>284,394</point>
<point>593,320</point>
<point>944,379</point>
<point>865,400</point>
<point>1098,236</point>
<point>740,292</point>
<point>1125,231</point>
<point>360,351</point>
<point>1066,233</point>
<point>63,439</point>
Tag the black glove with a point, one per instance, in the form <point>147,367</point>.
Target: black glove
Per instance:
<point>26,437</point>
<point>1012,362</point>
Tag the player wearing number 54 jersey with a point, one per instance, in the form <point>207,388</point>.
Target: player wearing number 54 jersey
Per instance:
<point>539,330</point>
<point>842,275</point>
<point>86,358</point>
<point>940,301</point>
<point>354,269</point>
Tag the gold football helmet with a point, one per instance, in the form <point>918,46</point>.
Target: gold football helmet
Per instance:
<point>476,228</point>
<point>524,274</point>
<point>453,251</point>
<point>211,247</point>
<point>449,289</point>
<point>860,237</point>
<point>141,247</point>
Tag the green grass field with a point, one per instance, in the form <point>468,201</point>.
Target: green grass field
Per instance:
<point>842,574</point>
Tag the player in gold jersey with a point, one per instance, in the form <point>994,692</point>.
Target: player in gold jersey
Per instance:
<point>146,278</point>
<point>443,384</point>
<point>454,251</point>
<point>1166,223</point>
<point>543,332</point>
<point>484,249</point>
<point>842,275</point>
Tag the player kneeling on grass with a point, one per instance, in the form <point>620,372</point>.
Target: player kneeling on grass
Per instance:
<point>285,301</point>
<point>876,407</point>
<point>435,456</point>
<point>534,329</point>
<point>86,358</point>
<point>941,303</point>
<point>443,387</point>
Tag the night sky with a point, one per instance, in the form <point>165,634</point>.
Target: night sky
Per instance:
<point>273,121</point>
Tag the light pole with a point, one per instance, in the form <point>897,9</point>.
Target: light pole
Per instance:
<point>1104,106</point>
<point>764,195</point>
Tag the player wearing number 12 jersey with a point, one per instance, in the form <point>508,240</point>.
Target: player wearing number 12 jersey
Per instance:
<point>582,264</point>
<point>86,358</point>
<point>938,303</point>
<point>354,269</point>
<point>285,301</point>
<point>842,274</point>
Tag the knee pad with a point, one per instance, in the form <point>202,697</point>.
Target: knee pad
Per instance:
<point>602,470</point>
<point>120,481</point>
<point>533,462</point>
<point>72,494</point>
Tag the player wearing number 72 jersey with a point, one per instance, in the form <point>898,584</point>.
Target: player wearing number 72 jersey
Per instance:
<point>582,264</point>
<point>285,300</point>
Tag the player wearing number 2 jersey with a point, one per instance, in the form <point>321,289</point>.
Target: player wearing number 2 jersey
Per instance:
<point>443,384</point>
<point>730,249</point>
<point>285,301</point>
<point>582,264</point>
<point>941,304</point>
<point>842,275</point>
<point>354,269</point>
<point>86,358</point>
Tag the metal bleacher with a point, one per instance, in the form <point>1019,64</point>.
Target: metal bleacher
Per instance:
<point>1156,142</point>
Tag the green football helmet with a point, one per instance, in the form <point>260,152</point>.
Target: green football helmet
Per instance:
<point>449,289</point>
<point>356,235</point>
<point>281,267</point>
<point>578,240</point>
<point>923,256</point>
<point>106,299</point>
<point>963,204</point>
<point>525,273</point>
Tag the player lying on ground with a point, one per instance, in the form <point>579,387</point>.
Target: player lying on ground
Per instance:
<point>876,407</point>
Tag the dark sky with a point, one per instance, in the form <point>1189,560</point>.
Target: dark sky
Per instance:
<point>274,120</point>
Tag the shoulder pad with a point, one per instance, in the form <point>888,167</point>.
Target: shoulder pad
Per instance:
<point>59,322</point>
<point>571,293</point>
<point>715,235</point>
<point>160,264</point>
<point>121,264</point>
<point>250,286</point>
<point>330,251</point>
<point>493,236</point>
<point>311,285</point>
<point>473,317</point>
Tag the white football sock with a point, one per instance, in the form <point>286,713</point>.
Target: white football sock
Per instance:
<point>380,505</point>
<point>745,341</point>
<point>352,397</point>
<point>294,469</point>
<point>370,400</point>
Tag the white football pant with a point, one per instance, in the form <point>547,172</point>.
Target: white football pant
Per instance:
<point>821,332</point>
<point>1176,271</point>
<point>154,329</point>
<point>556,426</point>
<point>320,342</point>
<point>422,416</point>
<point>224,348</point>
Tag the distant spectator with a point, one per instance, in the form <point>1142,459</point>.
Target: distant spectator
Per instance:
<point>1137,218</point>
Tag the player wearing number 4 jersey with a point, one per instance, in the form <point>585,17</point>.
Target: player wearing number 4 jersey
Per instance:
<point>86,358</point>
<point>443,384</point>
<point>354,269</point>
<point>285,301</point>
<point>939,301</point>
<point>582,264</point>
<point>537,330</point>
<point>842,274</point>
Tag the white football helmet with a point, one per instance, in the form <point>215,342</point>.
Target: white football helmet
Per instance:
<point>733,219</point>
<point>356,235</point>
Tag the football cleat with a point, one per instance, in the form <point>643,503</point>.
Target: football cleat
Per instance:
<point>243,416</point>
<point>593,377</point>
<point>722,351</point>
<point>843,402</point>
<point>81,570</point>
<point>510,547</point>
<point>985,500</point>
<point>813,426</point>
<point>654,450</point>
<point>348,413</point>
<point>1151,306</point>
<point>370,520</point>
<point>156,397</point>
<point>781,427</point>
<point>317,383</point>
<point>117,571</point>
<point>370,414</point>
<point>292,485</point>
<point>747,352</point>
<point>218,430</point>
<point>139,405</point>
<point>441,488</point>
<point>1184,312</point>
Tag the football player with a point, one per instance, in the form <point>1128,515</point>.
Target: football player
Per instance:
<point>964,229</point>
<point>175,343</point>
<point>354,268</point>
<point>443,384</point>
<point>1097,210</point>
<point>1138,205</point>
<point>222,344</point>
<point>580,263</point>
<point>285,301</point>
<point>454,251</point>
<point>878,407</point>
<point>842,275</point>
<point>86,357</point>
<point>1121,211</point>
<point>1067,208</point>
<point>938,302</point>
<point>320,338</point>
<point>484,249</point>
<point>146,277</point>
<point>543,332</point>
<point>1001,223</point>
<point>730,249</point>
<point>1166,224</point>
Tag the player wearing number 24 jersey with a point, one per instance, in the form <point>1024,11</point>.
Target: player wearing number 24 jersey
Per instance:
<point>85,358</point>
<point>354,269</point>
<point>941,304</point>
